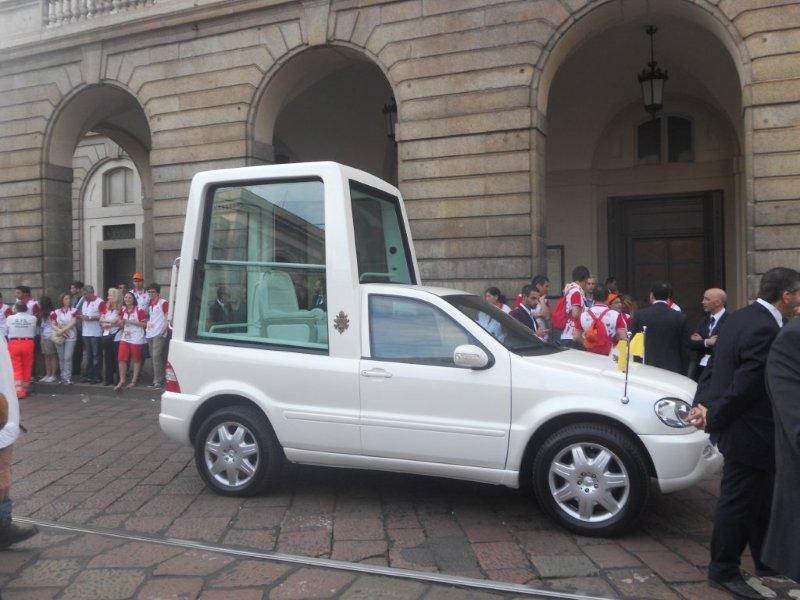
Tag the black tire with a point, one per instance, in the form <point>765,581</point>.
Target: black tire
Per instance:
<point>627,459</point>
<point>258,431</point>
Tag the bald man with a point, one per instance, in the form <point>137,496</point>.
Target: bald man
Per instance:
<point>705,336</point>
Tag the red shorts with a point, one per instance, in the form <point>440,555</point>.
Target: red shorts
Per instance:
<point>128,351</point>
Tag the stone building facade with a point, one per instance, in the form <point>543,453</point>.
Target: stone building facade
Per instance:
<point>520,145</point>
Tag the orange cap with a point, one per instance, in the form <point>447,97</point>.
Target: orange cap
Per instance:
<point>138,277</point>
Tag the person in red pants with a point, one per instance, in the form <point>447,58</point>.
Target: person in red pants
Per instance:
<point>21,333</point>
<point>10,533</point>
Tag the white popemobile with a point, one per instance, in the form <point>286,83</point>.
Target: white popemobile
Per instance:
<point>301,333</point>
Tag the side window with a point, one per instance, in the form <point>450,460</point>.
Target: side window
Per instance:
<point>381,244</point>
<point>408,330</point>
<point>261,273</point>
<point>679,136</point>
<point>648,142</point>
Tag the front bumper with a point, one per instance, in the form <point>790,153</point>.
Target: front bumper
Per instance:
<point>681,461</point>
<point>176,415</point>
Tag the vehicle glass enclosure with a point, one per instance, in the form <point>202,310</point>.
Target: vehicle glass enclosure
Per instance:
<point>382,249</point>
<point>515,336</point>
<point>260,276</point>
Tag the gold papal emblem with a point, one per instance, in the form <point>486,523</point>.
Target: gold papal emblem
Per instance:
<point>341,322</point>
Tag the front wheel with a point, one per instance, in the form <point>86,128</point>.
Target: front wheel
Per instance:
<point>236,451</point>
<point>591,479</point>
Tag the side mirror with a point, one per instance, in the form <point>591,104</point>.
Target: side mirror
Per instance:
<point>470,357</point>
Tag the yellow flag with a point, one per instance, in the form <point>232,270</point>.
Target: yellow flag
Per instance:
<point>637,345</point>
<point>622,354</point>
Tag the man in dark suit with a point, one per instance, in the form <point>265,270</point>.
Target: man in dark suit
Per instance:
<point>524,313</point>
<point>781,548</point>
<point>667,337</point>
<point>732,404</point>
<point>705,335</point>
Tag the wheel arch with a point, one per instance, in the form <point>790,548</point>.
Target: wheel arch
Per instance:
<point>549,427</point>
<point>215,403</point>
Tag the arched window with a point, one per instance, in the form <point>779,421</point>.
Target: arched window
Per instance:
<point>118,187</point>
<point>671,137</point>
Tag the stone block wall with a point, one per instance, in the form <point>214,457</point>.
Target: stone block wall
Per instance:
<point>471,137</point>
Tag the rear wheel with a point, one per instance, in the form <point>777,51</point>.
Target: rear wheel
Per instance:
<point>592,479</point>
<point>236,451</point>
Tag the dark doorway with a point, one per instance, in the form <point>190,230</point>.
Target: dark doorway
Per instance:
<point>118,267</point>
<point>678,239</point>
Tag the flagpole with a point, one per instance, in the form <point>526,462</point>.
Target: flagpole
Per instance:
<point>625,398</point>
<point>644,345</point>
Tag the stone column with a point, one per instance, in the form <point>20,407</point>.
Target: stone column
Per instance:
<point>56,218</point>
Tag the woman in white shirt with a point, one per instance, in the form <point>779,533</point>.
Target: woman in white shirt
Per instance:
<point>63,322</point>
<point>134,322</point>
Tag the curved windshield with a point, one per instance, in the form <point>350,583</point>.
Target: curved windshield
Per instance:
<point>505,329</point>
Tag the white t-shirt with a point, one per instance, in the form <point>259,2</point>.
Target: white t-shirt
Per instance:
<point>3,328</point>
<point>21,325</point>
<point>111,315</point>
<point>142,298</point>
<point>10,431</point>
<point>537,312</point>
<point>133,334</point>
<point>612,320</point>
<point>575,297</point>
<point>157,318</point>
<point>92,308</point>
<point>62,317</point>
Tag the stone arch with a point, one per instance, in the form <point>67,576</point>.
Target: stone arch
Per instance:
<point>603,21</point>
<point>108,109</point>
<point>296,73</point>
<point>597,17</point>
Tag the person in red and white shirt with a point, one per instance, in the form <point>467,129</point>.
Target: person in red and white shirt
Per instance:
<point>134,321</point>
<point>139,291</point>
<point>23,294</point>
<point>65,320</point>
<point>612,320</point>
<point>157,333</point>
<point>575,294</point>
<point>91,333</point>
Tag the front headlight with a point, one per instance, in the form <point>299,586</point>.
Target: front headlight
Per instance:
<point>673,412</point>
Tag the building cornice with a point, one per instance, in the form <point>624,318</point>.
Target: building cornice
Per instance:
<point>166,14</point>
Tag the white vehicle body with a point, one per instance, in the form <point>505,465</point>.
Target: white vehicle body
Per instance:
<point>348,407</point>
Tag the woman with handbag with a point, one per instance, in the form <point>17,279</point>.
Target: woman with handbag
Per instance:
<point>64,335</point>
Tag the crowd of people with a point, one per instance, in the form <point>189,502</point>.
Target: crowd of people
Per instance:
<point>747,364</point>
<point>592,316</point>
<point>81,335</point>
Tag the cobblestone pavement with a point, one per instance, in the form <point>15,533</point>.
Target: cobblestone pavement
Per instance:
<point>100,461</point>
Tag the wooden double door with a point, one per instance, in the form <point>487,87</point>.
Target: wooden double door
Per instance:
<point>678,239</point>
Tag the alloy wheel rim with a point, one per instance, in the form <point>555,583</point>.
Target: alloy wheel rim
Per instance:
<point>231,454</point>
<point>589,482</point>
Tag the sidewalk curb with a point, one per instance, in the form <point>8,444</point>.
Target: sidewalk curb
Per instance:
<point>96,391</point>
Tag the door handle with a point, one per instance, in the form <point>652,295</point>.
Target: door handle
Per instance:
<point>376,373</point>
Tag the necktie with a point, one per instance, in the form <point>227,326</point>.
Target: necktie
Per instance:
<point>785,321</point>
<point>711,324</point>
